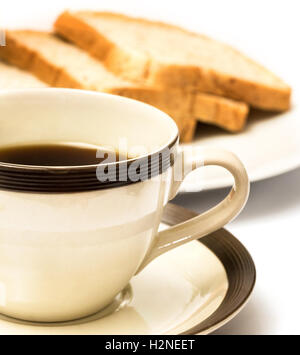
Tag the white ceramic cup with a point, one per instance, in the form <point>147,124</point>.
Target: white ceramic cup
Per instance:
<point>66,255</point>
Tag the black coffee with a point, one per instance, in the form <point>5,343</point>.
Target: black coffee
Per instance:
<point>58,154</point>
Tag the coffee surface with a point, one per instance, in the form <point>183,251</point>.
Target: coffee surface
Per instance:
<point>58,154</point>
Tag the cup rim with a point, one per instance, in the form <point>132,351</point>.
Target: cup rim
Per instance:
<point>47,168</point>
<point>35,178</point>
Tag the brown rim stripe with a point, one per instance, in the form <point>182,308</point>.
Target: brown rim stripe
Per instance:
<point>84,178</point>
<point>238,263</point>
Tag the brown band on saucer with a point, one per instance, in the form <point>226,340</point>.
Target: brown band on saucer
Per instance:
<point>86,178</point>
<point>238,263</point>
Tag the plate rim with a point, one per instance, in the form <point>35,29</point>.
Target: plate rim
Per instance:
<point>268,169</point>
<point>239,266</point>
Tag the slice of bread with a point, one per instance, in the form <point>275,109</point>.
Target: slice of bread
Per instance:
<point>14,78</point>
<point>221,112</point>
<point>229,114</point>
<point>61,64</point>
<point>169,56</point>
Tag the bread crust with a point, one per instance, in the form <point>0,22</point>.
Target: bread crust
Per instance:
<point>126,64</point>
<point>224,112</point>
<point>179,104</point>
<point>134,67</point>
<point>119,62</point>
<point>176,103</point>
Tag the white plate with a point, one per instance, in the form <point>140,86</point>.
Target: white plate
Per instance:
<point>269,146</point>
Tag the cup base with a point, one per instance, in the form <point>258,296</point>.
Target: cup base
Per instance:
<point>119,302</point>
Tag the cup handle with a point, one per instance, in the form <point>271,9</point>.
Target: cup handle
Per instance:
<point>214,218</point>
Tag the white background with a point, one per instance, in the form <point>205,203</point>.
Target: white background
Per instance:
<point>269,32</point>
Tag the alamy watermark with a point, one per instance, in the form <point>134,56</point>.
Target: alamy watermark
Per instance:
<point>142,164</point>
<point>2,38</point>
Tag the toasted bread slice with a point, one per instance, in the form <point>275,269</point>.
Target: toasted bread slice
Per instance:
<point>221,112</point>
<point>14,78</point>
<point>226,113</point>
<point>61,64</point>
<point>168,56</point>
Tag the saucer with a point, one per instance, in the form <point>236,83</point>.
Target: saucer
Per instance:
<point>194,289</point>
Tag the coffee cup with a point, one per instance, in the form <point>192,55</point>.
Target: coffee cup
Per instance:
<point>72,237</point>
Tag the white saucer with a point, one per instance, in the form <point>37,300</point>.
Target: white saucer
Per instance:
<point>269,146</point>
<point>194,289</point>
